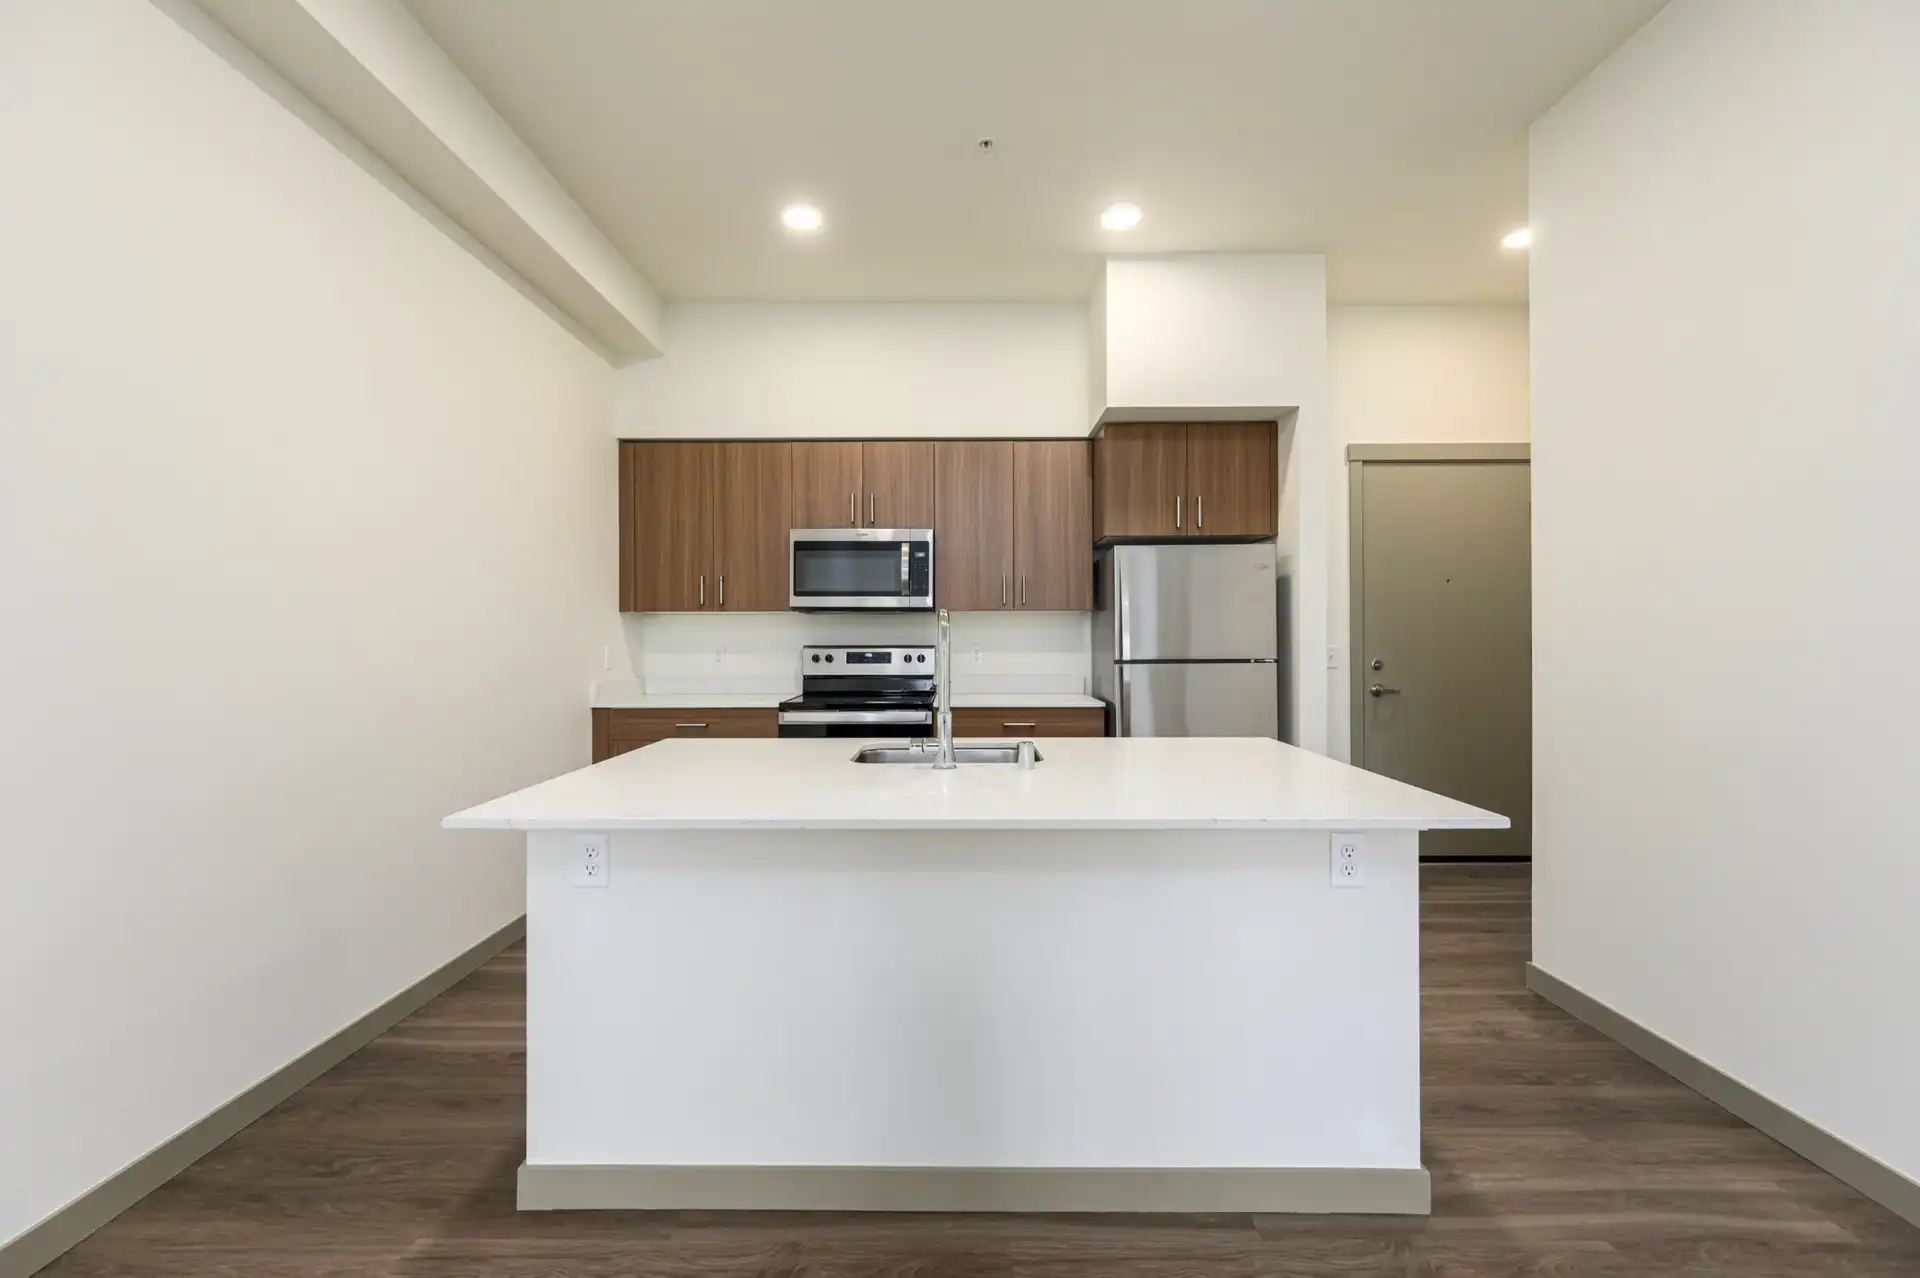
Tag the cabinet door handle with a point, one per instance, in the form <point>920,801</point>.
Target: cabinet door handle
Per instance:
<point>703,590</point>
<point>684,727</point>
<point>1199,512</point>
<point>852,518</point>
<point>1177,499</point>
<point>1020,725</point>
<point>1023,590</point>
<point>1003,590</point>
<point>723,590</point>
<point>870,507</point>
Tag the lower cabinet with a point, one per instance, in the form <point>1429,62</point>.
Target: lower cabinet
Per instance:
<point>618,731</point>
<point>1053,721</point>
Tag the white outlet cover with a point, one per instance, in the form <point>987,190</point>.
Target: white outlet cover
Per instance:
<point>592,860</point>
<point>1347,859</point>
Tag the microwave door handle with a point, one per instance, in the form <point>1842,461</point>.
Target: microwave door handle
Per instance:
<point>904,547</point>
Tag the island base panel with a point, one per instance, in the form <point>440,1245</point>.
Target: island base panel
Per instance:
<point>1375,1191</point>
<point>1006,1007</point>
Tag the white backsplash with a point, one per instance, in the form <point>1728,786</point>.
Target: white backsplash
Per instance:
<point>759,652</point>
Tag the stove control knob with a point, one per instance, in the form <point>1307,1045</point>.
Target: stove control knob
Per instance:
<point>920,657</point>
<point>829,658</point>
<point>816,658</point>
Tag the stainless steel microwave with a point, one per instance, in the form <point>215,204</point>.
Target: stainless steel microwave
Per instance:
<point>857,568</point>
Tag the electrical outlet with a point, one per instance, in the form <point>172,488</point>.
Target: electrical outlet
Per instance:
<point>1333,656</point>
<point>719,655</point>
<point>592,867</point>
<point>979,655</point>
<point>606,658</point>
<point>1349,860</point>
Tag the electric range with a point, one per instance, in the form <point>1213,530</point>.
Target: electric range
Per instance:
<point>862,692</point>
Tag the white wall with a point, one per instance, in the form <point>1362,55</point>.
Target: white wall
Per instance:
<point>1411,374</point>
<point>778,370</point>
<point>739,653</point>
<point>1215,330</point>
<point>1726,383</point>
<point>304,516</point>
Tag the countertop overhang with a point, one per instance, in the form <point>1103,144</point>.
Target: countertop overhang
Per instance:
<point>1105,783</point>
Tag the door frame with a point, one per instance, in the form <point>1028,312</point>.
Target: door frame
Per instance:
<point>1358,455</point>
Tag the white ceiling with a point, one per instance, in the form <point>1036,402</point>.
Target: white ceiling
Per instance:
<point>1388,134</point>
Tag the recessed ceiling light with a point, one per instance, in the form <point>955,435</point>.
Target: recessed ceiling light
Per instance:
<point>1519,238</point>
<point>801,217</point>
<point>1120,217</point>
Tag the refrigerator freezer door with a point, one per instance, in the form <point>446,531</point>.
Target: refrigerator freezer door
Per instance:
<point>1215,699</point>
<point>1193,603</point>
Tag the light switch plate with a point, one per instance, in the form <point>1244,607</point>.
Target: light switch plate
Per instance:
<point>1348,859</point>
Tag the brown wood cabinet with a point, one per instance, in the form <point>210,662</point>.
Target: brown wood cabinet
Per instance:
<point>750,527</point>
<point>876,484</point>
<point>703,526</point>
<point>973,525</point>
<point>1140,480</point>
<point>1052,721</point>
<point>1200,479</point>
<point>1052,526</point>
<point>898,476</point>
<point>827,490</point>
<point>1233,472</point>
<point>666,517</point>
<point>618,731</point>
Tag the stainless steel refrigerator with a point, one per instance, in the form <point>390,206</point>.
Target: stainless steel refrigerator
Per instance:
<point>1189,641</point>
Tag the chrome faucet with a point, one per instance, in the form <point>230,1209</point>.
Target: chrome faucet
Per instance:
<point>943,714</point>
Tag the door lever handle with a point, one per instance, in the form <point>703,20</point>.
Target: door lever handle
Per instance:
<point>1382,690</point>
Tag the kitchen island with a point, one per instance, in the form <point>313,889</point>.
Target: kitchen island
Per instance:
<point>1121,980</point>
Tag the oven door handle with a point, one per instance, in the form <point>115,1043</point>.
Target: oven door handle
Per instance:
<point>856,716</point>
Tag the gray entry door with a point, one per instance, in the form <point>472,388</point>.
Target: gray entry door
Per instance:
<point>1442,646</point>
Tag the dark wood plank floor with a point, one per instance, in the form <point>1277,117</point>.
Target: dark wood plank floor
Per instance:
<point>1554,1152</point>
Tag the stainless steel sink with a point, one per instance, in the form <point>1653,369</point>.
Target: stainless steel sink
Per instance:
<point>923,752</point>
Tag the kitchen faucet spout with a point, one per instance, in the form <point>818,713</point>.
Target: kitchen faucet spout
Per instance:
<point>943,715</point>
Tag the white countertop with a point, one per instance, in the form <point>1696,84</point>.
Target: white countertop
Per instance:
<point>1082,783</point>
<point>1024,701</point>
<point>615,699</point>
<point>611,699</point>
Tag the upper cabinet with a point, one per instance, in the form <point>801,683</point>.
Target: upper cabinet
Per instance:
<point>898,477</point>
<point>704,526</point>
<point>826,486</point>
<point>1052,525</point>
<point>973,525</point>
<point>1140,481</point>
<point>1013,526</point>
<point>1200,479</point>
<point>879,484</point>
<point>666,526</point>
<point>750,555</point>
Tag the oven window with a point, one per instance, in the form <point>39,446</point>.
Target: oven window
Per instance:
<point>846,568</point>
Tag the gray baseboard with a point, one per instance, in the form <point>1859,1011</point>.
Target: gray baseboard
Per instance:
<point>1302,1190</point>
<point>1824,1150</point>
<point>47,1241</point>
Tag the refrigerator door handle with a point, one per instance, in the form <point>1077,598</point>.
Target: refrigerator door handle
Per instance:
<point>1123,694</point>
